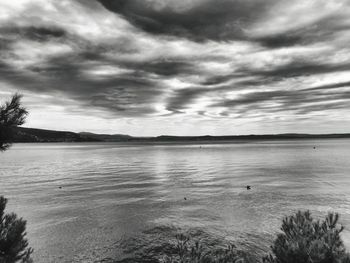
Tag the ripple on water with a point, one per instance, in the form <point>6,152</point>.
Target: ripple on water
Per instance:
<point>108,202</point>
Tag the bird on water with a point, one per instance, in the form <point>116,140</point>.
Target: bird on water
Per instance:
<point>248,187</point>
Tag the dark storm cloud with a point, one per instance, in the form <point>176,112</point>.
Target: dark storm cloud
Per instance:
<point>162,67</point>
<point>12,33</point>
<point>220,79</point>
<point>43,34</point>
<point>318,31</point>
<point>285,39</point>
<point>297,68</point>
<point>183,98</point>
<point>331,86</point>
<point>160,57</point>
<point>321,98</point>
<point>221,20</point>
<point>123,94</point>
<point>5,44</point>
<point>131,93</point>
<point>127,94</point>
<point>197,20</point>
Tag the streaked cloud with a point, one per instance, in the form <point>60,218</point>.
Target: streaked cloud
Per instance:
<point>174,65</point>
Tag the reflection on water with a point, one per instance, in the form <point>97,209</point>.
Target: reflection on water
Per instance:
<point>91,201</point>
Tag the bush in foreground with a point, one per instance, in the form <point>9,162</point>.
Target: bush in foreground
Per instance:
<point>306,240</point>
<point>188,251</point>
<point>303,240</point>
<point>13,242</point>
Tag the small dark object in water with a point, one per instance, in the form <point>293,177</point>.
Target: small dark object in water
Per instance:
<point>60,187</point>
<point>185,198</point>
<point>314,147</point>
<point>248,187</point>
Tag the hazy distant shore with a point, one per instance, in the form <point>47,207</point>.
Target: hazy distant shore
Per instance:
<point>29,135</point>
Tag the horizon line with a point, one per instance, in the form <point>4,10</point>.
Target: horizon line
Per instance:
<point>203,135</point>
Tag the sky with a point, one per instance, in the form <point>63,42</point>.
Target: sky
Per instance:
<point>184,67</point>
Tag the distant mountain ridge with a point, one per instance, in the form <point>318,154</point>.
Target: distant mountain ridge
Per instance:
<point>105,137</point>
<point>40,135</point>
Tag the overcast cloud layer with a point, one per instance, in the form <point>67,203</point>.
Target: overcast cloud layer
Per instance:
<point>185,67</point>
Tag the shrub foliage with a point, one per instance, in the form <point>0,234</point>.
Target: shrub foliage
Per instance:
<point>12,114</point>
<point>306,240</point>
<point>13,242</point>
<point>302,240</point>
<point>188,251</point>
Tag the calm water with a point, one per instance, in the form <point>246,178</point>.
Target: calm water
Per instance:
<point>116,201</point>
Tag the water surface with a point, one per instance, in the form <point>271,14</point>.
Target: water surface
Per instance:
<point>88,202</point>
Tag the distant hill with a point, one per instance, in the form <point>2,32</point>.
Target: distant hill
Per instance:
<point>40,135</point>
<point>249,137</point>
<point>106,137</point>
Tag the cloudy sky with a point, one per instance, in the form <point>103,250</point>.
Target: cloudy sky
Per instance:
<point>184,67</point>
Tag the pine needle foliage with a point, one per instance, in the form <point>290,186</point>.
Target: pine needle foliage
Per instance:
<point>12,114</point>
<point>306,240</point>
<point>13,242</point>
<point>188,251</point>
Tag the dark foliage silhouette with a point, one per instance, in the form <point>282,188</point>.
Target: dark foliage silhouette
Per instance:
<point>12,114</point>
<point>13,242</point>
<point>189,251</point>
<point>306,240</point>
<point>303,240</point>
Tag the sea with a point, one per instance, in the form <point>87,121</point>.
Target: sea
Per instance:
<point>126,202</point>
